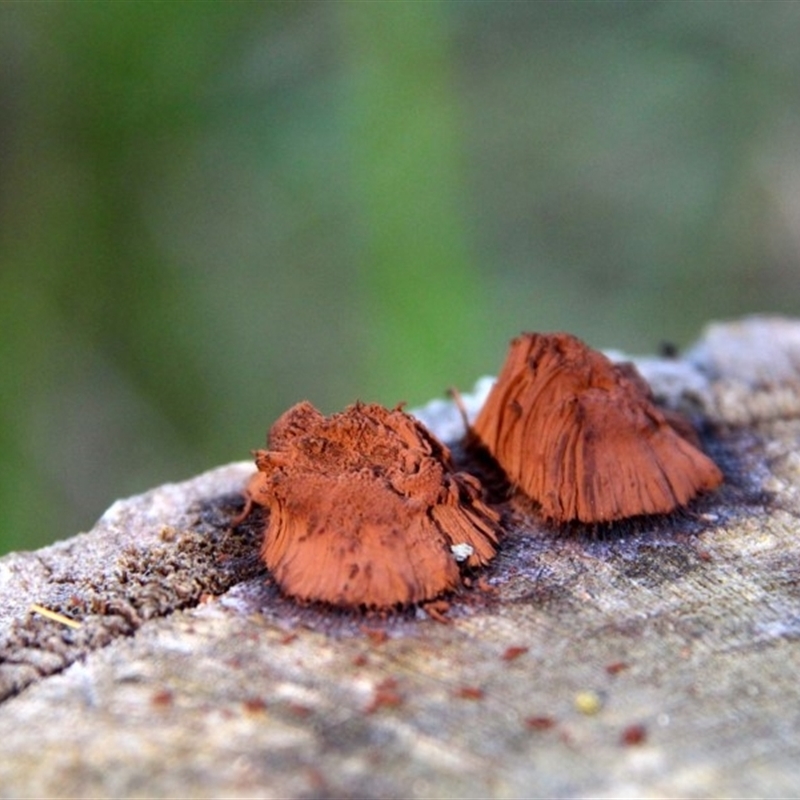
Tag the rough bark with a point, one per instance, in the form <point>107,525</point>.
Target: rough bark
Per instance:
<point>657,657</point>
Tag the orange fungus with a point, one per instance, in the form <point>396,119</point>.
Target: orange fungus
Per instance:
<point>582,437</point>
<point>365,509</point>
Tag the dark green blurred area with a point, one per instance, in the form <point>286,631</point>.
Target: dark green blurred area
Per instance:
<point>209,211</point>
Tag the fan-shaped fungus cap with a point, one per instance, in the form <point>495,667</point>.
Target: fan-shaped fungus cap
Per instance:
<point>582,437</point>
<point>365,508</point>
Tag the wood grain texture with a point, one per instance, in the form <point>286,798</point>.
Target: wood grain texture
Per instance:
<point>655,659</point>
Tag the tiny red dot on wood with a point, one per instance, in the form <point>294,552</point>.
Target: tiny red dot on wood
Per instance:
<point>616,667</point>
<point>366,509</point>
<point>470,692</point>
<point>386,695</point>
<point>162,698</point>
<point>633,735</point>
<point>582,436</point>
<point>254,705</point>
<point>511,653</point>
<point>377,636</point>
<point>540,723</point>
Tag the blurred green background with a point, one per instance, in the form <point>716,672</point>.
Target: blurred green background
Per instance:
<point>211,210</point>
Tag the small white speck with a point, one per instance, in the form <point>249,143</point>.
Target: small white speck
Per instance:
<point>462,551</point>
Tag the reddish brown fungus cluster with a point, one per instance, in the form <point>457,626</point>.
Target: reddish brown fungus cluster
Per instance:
<point>582,437</point>
<point>365,509</point>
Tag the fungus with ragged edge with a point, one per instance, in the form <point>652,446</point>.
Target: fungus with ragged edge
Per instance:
<point>582,436</point>
<point>366,509</point>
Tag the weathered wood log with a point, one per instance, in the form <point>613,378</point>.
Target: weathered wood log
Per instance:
<point>657,657</point>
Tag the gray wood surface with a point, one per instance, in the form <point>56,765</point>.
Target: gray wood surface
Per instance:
<point>658,658</point>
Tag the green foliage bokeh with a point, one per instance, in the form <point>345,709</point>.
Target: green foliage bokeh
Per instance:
<point>209,211</point>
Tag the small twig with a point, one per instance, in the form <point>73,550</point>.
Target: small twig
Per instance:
<point>55,616</point>
<point>459,401</point>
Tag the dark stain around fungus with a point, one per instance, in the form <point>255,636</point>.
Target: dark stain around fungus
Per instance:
<point>655,563</point>
<point>366,509</point>
<point>582,437</point>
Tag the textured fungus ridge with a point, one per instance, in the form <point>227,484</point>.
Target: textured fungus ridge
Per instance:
<point>582,437</point>
<point>365,509</point>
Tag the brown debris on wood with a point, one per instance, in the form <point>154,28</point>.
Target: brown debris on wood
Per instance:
<point>365,509</point>
<point>386,696</point>
<point>540,723</point>
<point>633,735</point>
<point>470,693</point>
<point>582,437</point>
<point>513,653</point>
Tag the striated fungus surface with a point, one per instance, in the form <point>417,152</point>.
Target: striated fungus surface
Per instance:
<point>582,437</point>
<point>366,509</point>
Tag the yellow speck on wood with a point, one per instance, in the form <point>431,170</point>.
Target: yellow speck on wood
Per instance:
<point>588,702</point>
